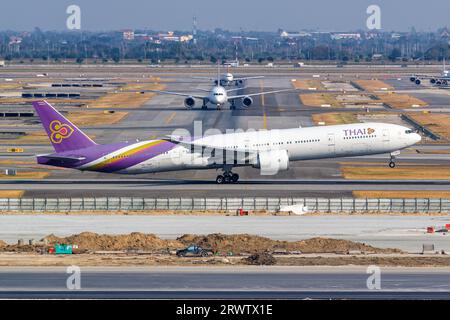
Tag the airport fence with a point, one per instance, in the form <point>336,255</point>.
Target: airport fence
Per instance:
<point>325,205</point>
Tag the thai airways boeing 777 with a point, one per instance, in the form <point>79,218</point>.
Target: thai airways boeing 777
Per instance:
<point>270,151</point>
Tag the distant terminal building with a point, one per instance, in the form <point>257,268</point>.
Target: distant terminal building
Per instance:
<point>377,56</point>
<point>128,35</point>
<point>346,36</point>
<point>170,36</point>
<point>143,36</point>
<point>293,34</point>
<point>234,63</point>
<point>373,35</point>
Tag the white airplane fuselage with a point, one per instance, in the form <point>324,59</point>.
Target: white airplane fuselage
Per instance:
<point>218,95</point>
<point>299,143</point>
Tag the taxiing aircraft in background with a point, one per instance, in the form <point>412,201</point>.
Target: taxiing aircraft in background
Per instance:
<point>442,80</point>
<point>228,78</point>
<point>219,96</point>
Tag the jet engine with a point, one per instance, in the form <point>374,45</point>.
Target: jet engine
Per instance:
<point>418,81</point>
<point>247,102</point>
<point>189,102</point>
<point>271,162</point>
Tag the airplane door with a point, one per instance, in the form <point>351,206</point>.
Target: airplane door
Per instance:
<point>331,144</point>
<point>386,137</point>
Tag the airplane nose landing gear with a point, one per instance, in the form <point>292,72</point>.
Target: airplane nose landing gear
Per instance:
<point>392,162</point>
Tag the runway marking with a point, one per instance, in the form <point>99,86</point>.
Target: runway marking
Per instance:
<point>170,118</point>
<point>261,85</point>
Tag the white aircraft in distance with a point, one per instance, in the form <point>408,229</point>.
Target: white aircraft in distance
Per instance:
<point>218,96</point>
<point>270,151</point>
<point>442,80</point>
<point>228,78</point>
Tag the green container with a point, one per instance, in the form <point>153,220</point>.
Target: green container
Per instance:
<point>63,249</point>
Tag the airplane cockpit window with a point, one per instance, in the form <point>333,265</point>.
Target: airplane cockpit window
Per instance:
<point>409,131</point>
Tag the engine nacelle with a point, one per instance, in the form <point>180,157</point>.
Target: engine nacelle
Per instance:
<point>189,102</point>
<point>247,102</point>
<point>272,162</point>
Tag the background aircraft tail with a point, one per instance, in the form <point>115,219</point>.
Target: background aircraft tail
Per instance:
<point>63,134</point>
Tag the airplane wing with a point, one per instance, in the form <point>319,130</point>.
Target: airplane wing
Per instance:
<point>248,78</point>
<point>425,76</point>
<point>216,153</point>
<point>204,78</point>
<point>178,94</point>
<point>204,90</point>
<point>259,93</point>
<point>236,89</point>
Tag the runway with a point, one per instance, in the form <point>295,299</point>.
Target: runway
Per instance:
<point>226,282</point>
<point>174,188</point>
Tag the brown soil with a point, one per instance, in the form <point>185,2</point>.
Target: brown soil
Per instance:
<point>319,99</point>
<point>245,243</point>
<point>394,261</point>
<point>410,172</point>
<point>260,259</point>
<point>128,260</point>
<point>11,194</point>
<point>373,85</point>
<point>219,243</point>
<point>437,123</point>
<point>135,241</point>
<point>401,194</point>
<point>401,101</point>
<point>306,84</point>
<point>332,118</point>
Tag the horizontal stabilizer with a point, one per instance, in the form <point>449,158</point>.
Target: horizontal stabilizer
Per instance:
<point>62,158</point>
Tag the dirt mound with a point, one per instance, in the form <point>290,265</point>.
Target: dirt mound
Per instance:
<point>327,245</point>
<point>236,243</point>
<point>245,243</point>
<point>260,259</point>
<point>220,243</point>
<point>132,241</point>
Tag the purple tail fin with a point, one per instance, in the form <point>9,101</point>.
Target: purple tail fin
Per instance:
<point>63,134</point>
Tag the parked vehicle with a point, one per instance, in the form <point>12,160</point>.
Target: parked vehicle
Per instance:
<point>194,251</point>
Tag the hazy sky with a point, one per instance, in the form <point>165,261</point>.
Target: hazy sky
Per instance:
<point>262,15</point>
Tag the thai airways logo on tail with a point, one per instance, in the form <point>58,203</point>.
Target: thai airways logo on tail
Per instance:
<point>63,134</point>
<point>59,131</point>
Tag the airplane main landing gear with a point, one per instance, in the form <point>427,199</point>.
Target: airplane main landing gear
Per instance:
<point>227,177</point>
<point>204,106</point>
